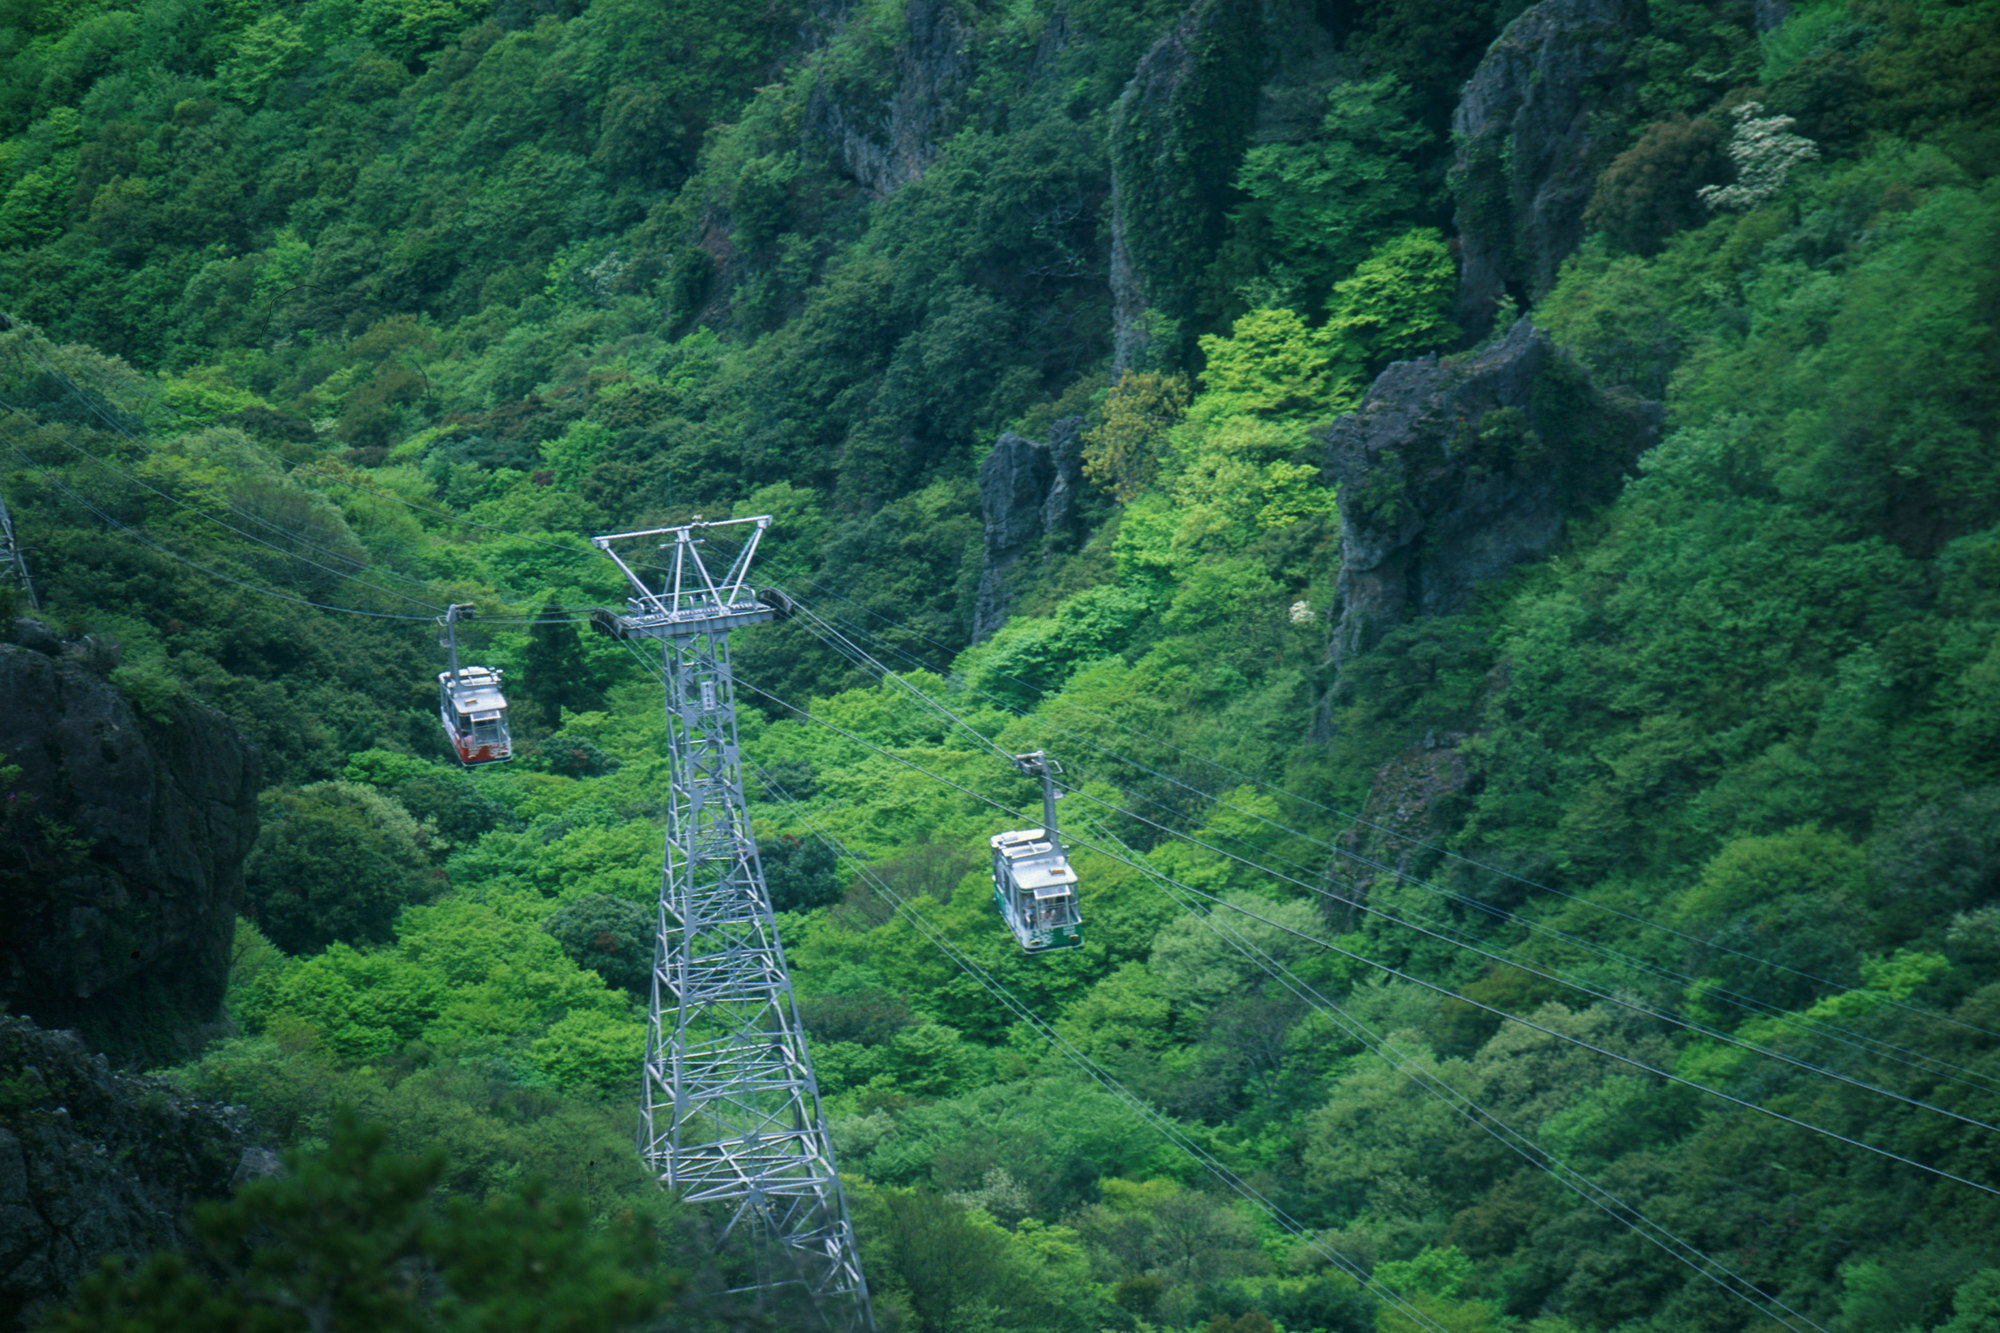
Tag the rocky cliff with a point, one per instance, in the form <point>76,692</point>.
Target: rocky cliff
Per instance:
<point>886,129</point>
<point>1178,131</point>
<point>1533,131</point>
<point>122,860</point>
<point>95,1163</point>
<point>1453,471</point>
<point>1027,498</point>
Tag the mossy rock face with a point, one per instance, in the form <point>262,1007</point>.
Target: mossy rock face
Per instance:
<point>1548,107</point>
<point>122,862</point>
<point>1178,133</point>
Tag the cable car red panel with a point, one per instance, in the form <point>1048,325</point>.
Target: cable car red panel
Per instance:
<point>474,713</point>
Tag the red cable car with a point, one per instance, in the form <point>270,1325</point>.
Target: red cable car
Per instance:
<point>470,704</point>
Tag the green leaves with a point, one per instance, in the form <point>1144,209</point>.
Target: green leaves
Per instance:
<point>334,861</point>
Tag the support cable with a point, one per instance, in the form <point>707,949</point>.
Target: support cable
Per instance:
<point>140,536</point>
<point>1861,1041</point>
<point>1691,1256</point>
<point>1157,1119</point>
<point>1466,1108</point>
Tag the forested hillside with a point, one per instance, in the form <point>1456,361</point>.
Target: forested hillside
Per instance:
<point>1495,508</point>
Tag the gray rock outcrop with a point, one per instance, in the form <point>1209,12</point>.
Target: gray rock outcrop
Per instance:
<point>1454,471</point>
<point>121,863</point>
<point>1028,499</point>
<point>1531,137</point>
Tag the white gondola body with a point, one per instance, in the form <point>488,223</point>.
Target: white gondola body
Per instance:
<point>474,713</point>
<point>1035,890</point>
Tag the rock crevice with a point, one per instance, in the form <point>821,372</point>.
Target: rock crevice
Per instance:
<point>1028,496</point>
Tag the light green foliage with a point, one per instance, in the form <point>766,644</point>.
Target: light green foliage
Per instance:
<point>266,50</point>
<point>360,1007</point>
<point>572,454</point>
<point>609,267</point>
<point>1121,453</point>
<point>1032,656</point>
<point>1183,1240</point>
<point>591,1050</point>
<point>1397,304</point>
<point>1521,1069</point>
<point>1316,208</point>
<point>952,1267</point>
<point>507,979</point>
<point>1434,1272</point>
<point>1611,1118</point>
<point>1398,1179</point>
<point>1270,366</point>
<point>1199,963</point>
<point>1976,1304</point>
<point>1753,874</point>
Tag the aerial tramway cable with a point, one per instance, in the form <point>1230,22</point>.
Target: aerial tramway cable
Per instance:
<point>1798,1022</point>
<point>861,657</point>
<point>831,634</point>
<point>1702,1263</point>
<point>1692,1257</point>
<point>139,535</point>
<point>1699,1262</point>
<point>1355,818</point>
<point>1437,930</point>
<point>1399,974</point>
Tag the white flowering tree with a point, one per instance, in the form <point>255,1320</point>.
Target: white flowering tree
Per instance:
<point>1764,151</point>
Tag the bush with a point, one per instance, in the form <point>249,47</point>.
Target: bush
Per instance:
<point>334,861</point>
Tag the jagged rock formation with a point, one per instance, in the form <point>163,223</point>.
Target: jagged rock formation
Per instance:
<point>1453,471</point>
<point>885,141</point>
<point>96,1163</point>
<point>1531,139</point>
<point>1027,496</point>
<point>122,856</point>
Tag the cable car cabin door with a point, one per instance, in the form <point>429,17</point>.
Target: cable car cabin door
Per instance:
<point>474,713</point>
<point>1035,890</point>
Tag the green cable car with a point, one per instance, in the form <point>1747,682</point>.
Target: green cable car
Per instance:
<point>1033,885</point>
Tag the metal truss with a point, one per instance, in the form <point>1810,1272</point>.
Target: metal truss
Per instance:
<point>12,566</point>
<point>730,1113</point>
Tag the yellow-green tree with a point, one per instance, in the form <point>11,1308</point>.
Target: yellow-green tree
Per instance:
<point>1122,453</point>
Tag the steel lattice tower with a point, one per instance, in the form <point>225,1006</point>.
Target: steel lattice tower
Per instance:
<point>12,566</point>
<point>730,1111</point>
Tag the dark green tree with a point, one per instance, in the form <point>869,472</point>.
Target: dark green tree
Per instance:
<point>557,673</point>
<point>611,936</point>
<point>800,873</point>
<point>357,1237</point>
<point>333,861</point>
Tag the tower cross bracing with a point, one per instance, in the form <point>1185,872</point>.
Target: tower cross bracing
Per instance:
<point>730,1111</point>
